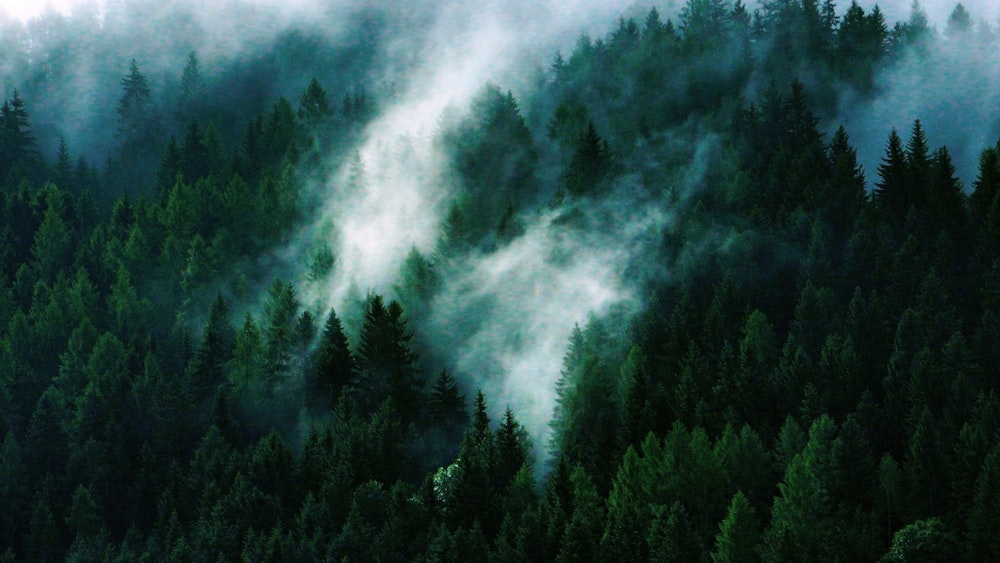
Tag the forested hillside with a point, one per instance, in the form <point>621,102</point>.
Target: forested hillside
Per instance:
<point>279,301</point>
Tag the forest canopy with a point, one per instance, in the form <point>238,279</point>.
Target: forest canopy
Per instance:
<point>714,283</point>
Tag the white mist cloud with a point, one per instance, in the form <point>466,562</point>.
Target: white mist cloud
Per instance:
<point>442,66</point>
<point>508,315</point>
<point>26,9</point>
<point>937,10</point>
<point>953,88</point>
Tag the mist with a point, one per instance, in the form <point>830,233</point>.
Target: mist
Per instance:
<point>503,318</point>
<point>952,87</point>
<point>513,307</point>
<point>937,10</point>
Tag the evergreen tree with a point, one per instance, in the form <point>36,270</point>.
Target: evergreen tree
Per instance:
<point>923,540</point>
<point>959,23</point>
<point>335,366</point>
<point>892,191</point>
<point>985,187</point>
<point>280,314</point>
<point>195,160</point>
<point>446,404</point>
<point>984,517</point>
<point>62,172</point>
<point>314,107</point>
<point>134,105</point>
<point>511,450</point>
<point>216,346</point>
<point>591,163</point>
<point>18,150</point>
<point>581,538</point>
<point>192,84</point>
<point>739,533</point>
<point>386,362</point>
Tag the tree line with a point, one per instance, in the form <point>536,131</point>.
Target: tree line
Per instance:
<point>815,380</point>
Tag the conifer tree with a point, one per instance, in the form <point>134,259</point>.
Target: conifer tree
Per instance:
<point>335,366</point>
<point>386,362</point>
<point>134,104</point>
<point>892,193</point>
<point>314,107</point>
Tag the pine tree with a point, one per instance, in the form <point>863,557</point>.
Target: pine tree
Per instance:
<point>215,348</point>
<point>985,514</point>
<point>62,173</point>
<point>386,362</point>
<point>133,107</point>
<point>446,404</point>
<point>195,161</point>
<point>959,23</point>
<point>248,368</point>
<point>335,366</point>
<point>590,164</point>
<point>802,524</point>
<point>581,538</point>
<point>511,450</point>
<point>946,202</point>
<point>892,193</point>
<point>739,533</point>
<point>18,150</point>
<point>918,163</point>
<point>314,107</point>
<point>847,185</point>
<point>192,83</point>
<point>985,187</point>
<point>280,314</point>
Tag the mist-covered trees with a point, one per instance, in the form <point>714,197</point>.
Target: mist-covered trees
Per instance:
<point>134,105</point>
<point>18,149</point>
<point>809,374</point>
<point>386,363</point>
<point>494,126</point>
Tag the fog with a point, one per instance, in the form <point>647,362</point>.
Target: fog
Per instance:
<point>503,320</point>
<point>953,88</point>
<point>937,10</point>
<point>503,317</point>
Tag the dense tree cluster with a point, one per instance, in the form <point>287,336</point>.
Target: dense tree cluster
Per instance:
<point>816,380</point>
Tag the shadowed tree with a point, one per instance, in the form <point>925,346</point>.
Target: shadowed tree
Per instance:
<point>134,104</point>
<point>192,85</point>
<point>386,363</point>
<point>739,534</point>
<point>446,404</point>
<point>892,193</point>
<point>18,150</point>
<point>590,164</point>
<point>314,107</point>
<point>335,367</point>
<point>985,187</point>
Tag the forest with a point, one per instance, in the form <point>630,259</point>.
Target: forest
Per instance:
<point>640,297</point>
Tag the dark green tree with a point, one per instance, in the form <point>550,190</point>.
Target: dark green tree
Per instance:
<point>386,362</point>
<point>193,88</point>
<point>335,366</point>
<point>446,404</point>
<point>134,105</point>
<point>892,192</point>
<point>739,533</point>
<point>923,540</point>
<point>314,107</point>
<point>984,517</point>
<point>590,165</point>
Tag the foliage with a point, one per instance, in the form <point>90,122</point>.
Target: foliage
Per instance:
<point>813,377</point>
